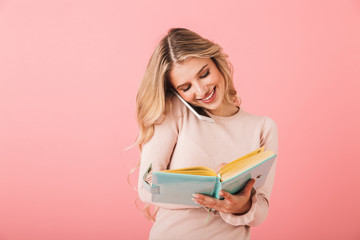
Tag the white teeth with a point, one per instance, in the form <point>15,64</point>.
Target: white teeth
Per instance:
<point>205,99</point>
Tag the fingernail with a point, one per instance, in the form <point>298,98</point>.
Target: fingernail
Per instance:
<point>194,195</point>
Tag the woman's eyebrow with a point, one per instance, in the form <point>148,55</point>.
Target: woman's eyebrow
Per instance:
<point>195,75</point>
<point>202,69</point>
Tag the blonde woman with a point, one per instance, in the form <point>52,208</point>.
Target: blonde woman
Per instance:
<point>171,136</point>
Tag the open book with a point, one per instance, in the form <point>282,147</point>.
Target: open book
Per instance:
<point>177,185</point>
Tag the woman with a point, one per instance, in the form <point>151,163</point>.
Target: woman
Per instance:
<point>171,136</point>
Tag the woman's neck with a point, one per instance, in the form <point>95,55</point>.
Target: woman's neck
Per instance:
<point>225,111</point>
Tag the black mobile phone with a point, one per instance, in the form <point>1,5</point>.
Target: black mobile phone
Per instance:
<point>198,111</point>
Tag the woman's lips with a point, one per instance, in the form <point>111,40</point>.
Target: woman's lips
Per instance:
<point>211,97</point>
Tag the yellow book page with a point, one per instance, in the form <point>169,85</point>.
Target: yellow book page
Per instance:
<point>200,170</point>
<point>245,164</point>
<point>230,165</point>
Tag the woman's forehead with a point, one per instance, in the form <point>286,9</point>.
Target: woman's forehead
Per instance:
<point>189,69</point>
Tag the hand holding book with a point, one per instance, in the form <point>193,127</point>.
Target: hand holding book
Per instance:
<point>177,186</point>
<point>239,203</point>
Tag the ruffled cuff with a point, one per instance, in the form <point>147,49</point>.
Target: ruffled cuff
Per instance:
<point>243,219</point>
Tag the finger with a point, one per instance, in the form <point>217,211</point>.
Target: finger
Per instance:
<point>226,195</point>
<point>204,198</point>
<point>199,196</point>
<point>248,187</point>
<point>206,201</point>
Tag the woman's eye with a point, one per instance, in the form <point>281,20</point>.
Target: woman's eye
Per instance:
<point>207,73</point>
<point>184,90</point>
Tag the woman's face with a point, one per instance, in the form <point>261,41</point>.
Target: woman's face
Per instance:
<point>200,83</point>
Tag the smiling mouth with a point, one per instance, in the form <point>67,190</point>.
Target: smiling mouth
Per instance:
<point>210,97</point>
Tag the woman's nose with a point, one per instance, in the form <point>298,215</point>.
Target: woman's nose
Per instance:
<point>200,91</point>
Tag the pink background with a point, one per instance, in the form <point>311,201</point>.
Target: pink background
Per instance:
<point>69,72</point>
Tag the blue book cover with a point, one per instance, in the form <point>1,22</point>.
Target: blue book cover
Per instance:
<point>176,186</point>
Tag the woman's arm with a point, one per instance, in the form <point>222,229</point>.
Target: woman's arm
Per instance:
<point>250,206</point>
<point>157,151</point>
<point>260,198</point>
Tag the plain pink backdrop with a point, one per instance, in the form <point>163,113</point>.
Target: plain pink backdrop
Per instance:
<point>69,72</point>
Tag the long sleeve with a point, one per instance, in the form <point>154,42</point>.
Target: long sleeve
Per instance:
<point>158,151</point>
<point>260,199</point>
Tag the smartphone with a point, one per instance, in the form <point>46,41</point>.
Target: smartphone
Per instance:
<point>198,111</point>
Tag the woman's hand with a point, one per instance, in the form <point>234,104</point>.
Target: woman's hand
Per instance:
<point>237,204</point>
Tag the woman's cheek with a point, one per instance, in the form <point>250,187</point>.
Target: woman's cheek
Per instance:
<point>187,97</point>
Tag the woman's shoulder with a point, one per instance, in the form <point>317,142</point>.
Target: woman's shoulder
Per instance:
<point>267,129</point>
<point>174,112</point>
<point>264,120</point>
<point>174,107</point>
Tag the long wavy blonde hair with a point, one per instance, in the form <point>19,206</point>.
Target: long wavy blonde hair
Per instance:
<point>153,96</point>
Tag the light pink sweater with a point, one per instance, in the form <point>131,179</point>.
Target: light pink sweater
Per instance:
<point>182,140</point>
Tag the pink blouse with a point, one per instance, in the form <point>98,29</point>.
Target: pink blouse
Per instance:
<point>183,140</point>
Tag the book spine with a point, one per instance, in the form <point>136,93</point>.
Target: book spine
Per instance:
<point>217,188</point>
